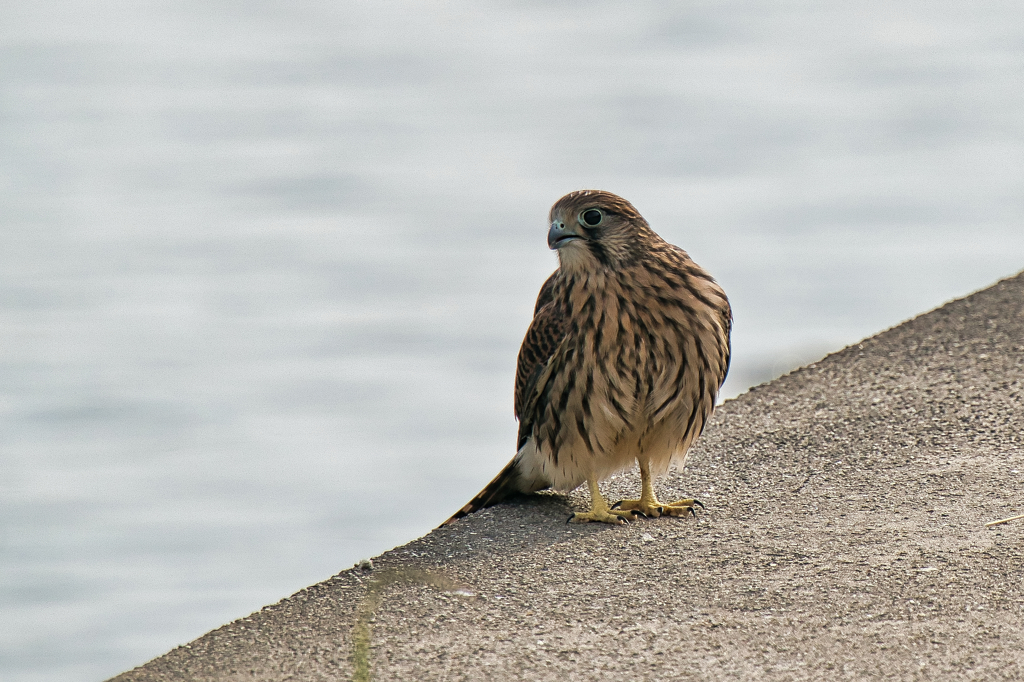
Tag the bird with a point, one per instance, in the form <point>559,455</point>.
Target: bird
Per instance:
<point>622,363</point>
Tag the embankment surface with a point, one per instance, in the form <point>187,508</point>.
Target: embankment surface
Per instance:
<point>844,538</point>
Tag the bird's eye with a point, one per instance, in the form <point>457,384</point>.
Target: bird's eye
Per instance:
<point>591,217</point>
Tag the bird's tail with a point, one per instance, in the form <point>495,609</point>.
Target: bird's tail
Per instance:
<point>504,485</point>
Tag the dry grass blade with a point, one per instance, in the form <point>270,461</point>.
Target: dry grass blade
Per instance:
<point>996,523</point>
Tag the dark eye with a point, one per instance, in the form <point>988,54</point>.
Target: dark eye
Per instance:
<point>591,217</point>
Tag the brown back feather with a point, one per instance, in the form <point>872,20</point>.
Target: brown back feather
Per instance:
<point>542,338</point>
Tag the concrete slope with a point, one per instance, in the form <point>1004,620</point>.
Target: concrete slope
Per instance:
<point>844,538</point>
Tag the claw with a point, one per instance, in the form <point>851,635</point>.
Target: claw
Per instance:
<point>634,512</point>
<point>700,503</point>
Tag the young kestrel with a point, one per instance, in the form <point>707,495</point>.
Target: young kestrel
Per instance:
<point>623,361</point>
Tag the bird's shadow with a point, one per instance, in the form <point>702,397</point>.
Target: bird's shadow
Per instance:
<point>532,519</point>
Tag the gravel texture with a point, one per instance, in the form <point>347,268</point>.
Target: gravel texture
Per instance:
<point>844,538</point>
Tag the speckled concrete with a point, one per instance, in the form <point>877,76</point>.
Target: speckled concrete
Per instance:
<point>844,538</point>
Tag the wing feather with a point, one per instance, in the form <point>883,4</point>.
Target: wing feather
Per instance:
<point>542,338</point>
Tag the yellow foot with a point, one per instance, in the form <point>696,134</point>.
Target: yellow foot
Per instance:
<point>615,516</point>
<point>655,509</point>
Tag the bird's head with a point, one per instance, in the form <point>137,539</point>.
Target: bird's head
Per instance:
<point>592,229</point>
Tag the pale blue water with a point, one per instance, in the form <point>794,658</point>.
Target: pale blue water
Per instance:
<point>265,266</point>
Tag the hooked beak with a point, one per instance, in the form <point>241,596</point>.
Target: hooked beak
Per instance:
<point>559,235</point>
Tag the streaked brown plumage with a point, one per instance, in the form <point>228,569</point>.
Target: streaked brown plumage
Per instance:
<point>623,361</point>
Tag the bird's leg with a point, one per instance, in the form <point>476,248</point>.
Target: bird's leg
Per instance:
<point>599,510</point>
<point>648,504</point>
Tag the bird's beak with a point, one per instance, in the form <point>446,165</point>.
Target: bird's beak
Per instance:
<point>559,235</point>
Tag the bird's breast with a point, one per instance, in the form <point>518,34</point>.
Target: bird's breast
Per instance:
<point>648,349</point>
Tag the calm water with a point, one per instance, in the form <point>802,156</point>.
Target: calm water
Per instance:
<point>265,266</point>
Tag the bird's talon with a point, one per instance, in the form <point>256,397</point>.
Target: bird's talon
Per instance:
<point>605,515</point>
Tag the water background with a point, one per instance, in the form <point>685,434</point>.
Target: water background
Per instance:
<point>265,266</point>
